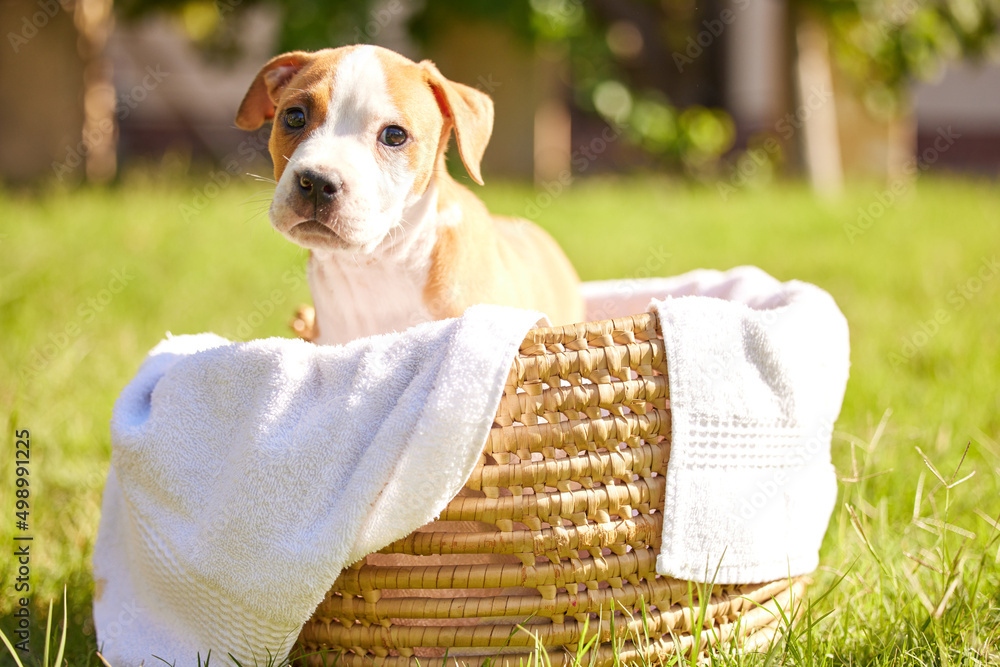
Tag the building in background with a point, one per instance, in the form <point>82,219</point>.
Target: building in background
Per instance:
<point>964,100</point>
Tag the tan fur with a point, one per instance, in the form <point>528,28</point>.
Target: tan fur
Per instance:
<point>505,261</point>
<point>469,112</point>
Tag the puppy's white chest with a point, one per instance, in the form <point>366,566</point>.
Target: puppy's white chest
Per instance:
<point>354,299</point>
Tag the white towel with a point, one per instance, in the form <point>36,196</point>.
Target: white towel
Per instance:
<point>757,371</point>
<point>245,476</point>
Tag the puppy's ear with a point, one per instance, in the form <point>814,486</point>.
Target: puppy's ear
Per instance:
<point>261,99</point>
<point>471,114</point>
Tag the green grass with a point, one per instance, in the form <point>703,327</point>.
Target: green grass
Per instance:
<point>916,561</point>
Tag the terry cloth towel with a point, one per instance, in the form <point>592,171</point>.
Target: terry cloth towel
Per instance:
<point>757,372</point>
<point>245,476</point>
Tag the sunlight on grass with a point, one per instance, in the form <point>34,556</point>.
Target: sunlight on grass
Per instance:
<point>94,278</point>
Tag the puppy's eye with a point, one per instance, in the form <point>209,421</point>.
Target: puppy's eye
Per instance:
<point>295,118</point>
<point>393,135</point>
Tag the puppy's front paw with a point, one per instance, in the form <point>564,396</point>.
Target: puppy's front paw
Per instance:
<point>304,323</point>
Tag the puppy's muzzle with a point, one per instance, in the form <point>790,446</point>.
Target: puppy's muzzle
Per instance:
<point>319,189</point>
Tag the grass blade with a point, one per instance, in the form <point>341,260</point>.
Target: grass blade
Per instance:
<point>48,635</point>
<point>13,652</point>
<point>62,639</point>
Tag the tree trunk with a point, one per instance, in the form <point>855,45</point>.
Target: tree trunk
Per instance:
<point>815,114</point>
<point>94,22</point>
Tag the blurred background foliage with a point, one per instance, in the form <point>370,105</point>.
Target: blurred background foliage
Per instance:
<point>882,45</point>
<point>886,44</point>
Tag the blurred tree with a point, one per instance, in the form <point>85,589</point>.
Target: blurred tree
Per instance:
<point>884,45</point>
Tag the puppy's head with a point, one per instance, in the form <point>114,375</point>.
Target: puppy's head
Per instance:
<point>357,132</point>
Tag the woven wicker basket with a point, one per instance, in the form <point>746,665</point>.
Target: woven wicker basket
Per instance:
<point>555,535</point>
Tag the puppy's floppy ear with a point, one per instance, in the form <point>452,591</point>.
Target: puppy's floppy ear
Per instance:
<point>471,114</point>
<point>261,99</point>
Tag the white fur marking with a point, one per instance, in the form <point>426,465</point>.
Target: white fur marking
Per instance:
<point>356,297</point>
<point>372,201</point>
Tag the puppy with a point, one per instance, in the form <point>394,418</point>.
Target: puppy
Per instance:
<point>358,141</point>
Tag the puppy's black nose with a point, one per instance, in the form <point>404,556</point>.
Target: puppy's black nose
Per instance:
<point>319,188</point>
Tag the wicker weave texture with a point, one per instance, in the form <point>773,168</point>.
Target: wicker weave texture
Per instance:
<point>555,537</point>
